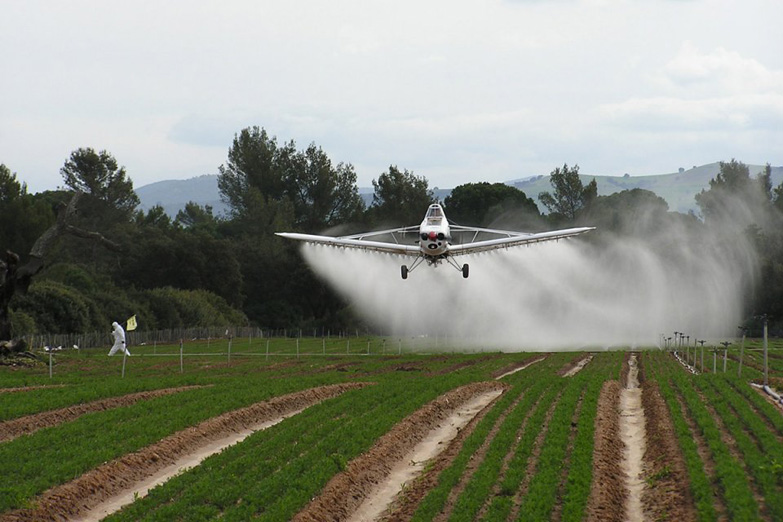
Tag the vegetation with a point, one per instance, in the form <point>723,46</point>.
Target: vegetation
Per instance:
<point>235,270</point>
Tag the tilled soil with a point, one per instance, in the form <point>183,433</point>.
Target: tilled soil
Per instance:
<point>517,366</point>
<point>30,423</point>
<point>30,388</point>
<point>667,495</point>
<point>574,365</point>
<point>75,498</point>
<point>607,493</point>
<point>346,491</point>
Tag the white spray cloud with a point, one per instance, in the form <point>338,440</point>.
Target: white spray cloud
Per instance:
<point>560,295</point>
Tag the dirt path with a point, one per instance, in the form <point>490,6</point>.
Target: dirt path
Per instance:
<point>346,491</point>
<point>31,388</point>
<point>30,423</point>
<point>607,494</point>
<point>517,367</point>
<point>632,432</point>
<point>573,367</point>
<point>77,498</point>
<point>413,464</point>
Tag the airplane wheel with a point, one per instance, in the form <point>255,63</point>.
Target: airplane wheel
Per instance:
<point>404,271</point>
<point>465,270</point>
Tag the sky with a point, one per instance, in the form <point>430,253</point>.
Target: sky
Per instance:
<point>456,91</point>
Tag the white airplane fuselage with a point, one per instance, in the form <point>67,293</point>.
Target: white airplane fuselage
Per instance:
<point>434,232</point>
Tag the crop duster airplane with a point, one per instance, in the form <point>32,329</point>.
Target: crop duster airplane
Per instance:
<point>434,240</point>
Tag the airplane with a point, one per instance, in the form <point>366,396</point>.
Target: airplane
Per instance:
<point>434,240</point>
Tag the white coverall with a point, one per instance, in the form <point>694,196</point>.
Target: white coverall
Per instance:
<point>119,339</point>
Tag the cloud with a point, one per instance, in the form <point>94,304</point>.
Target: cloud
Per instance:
<point>714,91</point>
<point>720,71</point>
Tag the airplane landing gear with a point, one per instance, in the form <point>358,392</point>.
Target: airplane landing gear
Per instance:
<point>404,271</point>
<point>465,270</point>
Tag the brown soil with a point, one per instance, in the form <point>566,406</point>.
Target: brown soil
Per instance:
<point>667,495</point>
<point>30,388</point>
<point>607,493</point>
<point>517,366</point>
<point>73,499</point>
<point>573,364</point>
<point>405,505</point>
<point>473,464</point>
<point>345,492</point>
<point>30,423</point>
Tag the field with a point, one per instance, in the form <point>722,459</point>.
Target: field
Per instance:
<point>322,428</point>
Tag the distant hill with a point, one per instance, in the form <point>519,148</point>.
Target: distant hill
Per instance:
<point>174,194</point>
<point>678,189</point>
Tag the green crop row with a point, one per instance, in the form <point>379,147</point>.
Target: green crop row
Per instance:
<point>542,491</point>
<point>737,493</point>
<point>655,367</point>
<point>435,500</point>
<point>580,471</point>
<point>273,474</point>
<point>746,427</point>
<point>501,505</point>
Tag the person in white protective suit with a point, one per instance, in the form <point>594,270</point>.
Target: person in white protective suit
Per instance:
<point>119,339</point>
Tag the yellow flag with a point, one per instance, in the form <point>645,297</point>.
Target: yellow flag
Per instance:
<point>131,324</point>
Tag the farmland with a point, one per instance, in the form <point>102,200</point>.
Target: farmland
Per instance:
<point>341,413</point>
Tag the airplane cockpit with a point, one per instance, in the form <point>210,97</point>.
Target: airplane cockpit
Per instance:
<point>434,215</point>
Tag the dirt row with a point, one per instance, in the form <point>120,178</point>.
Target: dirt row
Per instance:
<point>30,423</point>
<point>75,498</point>
<point>517,366</point>
<point>574,365</point>
<point>666,495</point>
<point>346,491</point>
<point>31,388</point>
<point>607,493</point>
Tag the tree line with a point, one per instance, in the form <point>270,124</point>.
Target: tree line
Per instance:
<point>200,269</point>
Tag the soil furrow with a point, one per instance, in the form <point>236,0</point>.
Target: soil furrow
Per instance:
<point>405,505</point>
<point>76,498</point>
<point>473,465</point>
<point>607,494</point>
<point>347,490</point>
<point>667,495</point>
<point>28,424</point>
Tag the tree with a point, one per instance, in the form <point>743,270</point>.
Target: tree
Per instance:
<point>480,204</point>
<point>399,197</point>
<point>322,195</point>
<point>570,196</point>
<point>252,171</point>
<point>16,277</point>
<point>734,197</point>
<point>97,174</point>
<point>23,217</point>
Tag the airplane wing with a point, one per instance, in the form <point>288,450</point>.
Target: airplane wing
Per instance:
<point>355,241</point>
<point>510,238</point>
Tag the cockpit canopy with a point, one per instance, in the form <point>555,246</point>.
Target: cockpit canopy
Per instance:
<point>434,215</point>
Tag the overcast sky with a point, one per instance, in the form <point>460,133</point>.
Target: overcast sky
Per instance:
<point>456,91</point>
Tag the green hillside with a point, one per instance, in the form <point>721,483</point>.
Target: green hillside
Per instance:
<point>678,189</point>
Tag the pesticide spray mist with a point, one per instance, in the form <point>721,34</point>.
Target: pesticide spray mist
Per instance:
<point>555,296</point>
